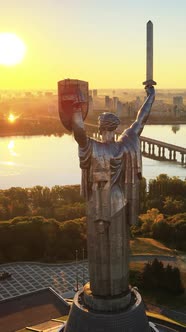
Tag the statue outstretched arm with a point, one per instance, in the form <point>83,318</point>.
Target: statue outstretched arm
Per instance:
<point>78,128</point>
<point>143,112</point>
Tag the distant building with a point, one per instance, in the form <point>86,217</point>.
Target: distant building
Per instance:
<point>90,99</point>
<point>178,101</point>
<point>95,92</point>
<point>111,104</point>
<point>48,94</point>
<point>177,106</point>
<point>90,93</point>
<point>90,105</point>
<point>28,94</point>
<point>115,101</point>
<point>107,101</point>
<point>138,102</point>
<point>119,109</point>
<point>39,93</point>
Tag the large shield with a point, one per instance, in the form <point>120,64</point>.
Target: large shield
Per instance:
<point>72,95</point>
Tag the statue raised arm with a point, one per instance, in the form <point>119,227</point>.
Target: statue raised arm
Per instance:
<point>143,113</point>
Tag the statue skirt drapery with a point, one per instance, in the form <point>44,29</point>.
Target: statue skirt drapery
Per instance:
<point>108,252</point>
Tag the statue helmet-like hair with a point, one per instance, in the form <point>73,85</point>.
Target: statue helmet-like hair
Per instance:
<point>108,121</point>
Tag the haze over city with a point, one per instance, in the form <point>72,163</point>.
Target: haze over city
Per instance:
<point>100,42</point>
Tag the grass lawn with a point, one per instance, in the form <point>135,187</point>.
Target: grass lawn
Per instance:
<point>164,299</point>
<point>148,246</point>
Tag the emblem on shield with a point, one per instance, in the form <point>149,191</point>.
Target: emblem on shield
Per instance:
<point>72,95</point>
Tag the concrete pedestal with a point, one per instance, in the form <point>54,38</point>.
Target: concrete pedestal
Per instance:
<point>107,303</point>
<point>85,319</point>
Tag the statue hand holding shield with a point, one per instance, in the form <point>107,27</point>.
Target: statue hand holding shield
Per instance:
<point>73,97</point>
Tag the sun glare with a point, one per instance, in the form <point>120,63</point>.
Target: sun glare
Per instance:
<point>12,49</point>
<point>12,118</point>
<point>11,145</point>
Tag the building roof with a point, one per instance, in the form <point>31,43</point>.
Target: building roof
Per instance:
<point>31,309</point>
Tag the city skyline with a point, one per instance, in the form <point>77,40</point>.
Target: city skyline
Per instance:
<point>103,43</point>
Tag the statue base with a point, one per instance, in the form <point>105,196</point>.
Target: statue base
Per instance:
<point>107,303</point>
<point>83,318</point>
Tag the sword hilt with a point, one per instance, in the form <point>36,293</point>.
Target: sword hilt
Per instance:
<point>149,83</point>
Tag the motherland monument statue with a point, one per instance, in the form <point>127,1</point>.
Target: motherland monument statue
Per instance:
<point>111,172</point>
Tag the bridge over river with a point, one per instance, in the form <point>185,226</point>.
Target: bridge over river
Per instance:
<point>159,150</point>
<point>152,148</point>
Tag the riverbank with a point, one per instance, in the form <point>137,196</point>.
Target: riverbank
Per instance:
<point>88,124</point>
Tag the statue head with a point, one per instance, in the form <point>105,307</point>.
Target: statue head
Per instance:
<point>107,122</point>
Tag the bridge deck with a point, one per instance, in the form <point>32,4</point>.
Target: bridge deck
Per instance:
<point>163,144</point>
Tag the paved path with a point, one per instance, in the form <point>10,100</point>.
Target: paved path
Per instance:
<point>28,277</point>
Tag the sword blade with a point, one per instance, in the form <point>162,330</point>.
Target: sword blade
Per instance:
<point>149,55</point>
<point>149,68</point>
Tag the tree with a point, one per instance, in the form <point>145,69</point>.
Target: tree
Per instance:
<point>155,276</point>
<point>18,201</point>
<point>50,229</point>
<point>148,219</point>
<point>164,186</point>
<point>72,236</point>
<point>70,211</point>
<point>172,206</point>
<point>161,230</point>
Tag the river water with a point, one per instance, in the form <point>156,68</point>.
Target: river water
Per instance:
<point>49,161</point>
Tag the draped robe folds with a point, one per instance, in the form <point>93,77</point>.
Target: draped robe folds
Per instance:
<point>110,185</point>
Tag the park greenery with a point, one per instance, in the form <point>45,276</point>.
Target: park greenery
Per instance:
<point>167,278</point>
<point>49,224</point>
<point>37,238</point>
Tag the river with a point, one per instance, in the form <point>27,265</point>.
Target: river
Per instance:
<point>49,161</point>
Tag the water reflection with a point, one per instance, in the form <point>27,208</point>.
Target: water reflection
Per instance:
<point>11,146</point>
<point>7,163</point>
<point>164,133</point>
<point>49,161</point>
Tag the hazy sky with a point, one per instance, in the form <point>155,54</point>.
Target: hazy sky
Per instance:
<point>100,41</point>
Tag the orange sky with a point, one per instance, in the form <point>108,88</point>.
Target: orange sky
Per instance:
<point>100,43</point>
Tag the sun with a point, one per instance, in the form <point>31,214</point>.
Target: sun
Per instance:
<point>12,118</point>
<point>12,49</point>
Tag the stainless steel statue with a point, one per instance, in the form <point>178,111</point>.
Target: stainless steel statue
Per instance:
<point>111,171</point>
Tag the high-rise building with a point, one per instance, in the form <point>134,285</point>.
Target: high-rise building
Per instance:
<point>119,109</point>
<point>107,101</point>
<point>115,101</point>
